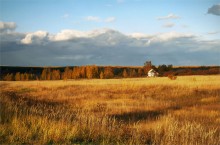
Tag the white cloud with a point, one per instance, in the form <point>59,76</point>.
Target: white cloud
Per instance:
<point>162,37</point>
<point>169,25</point>
<point>65,16</point>
<point>110,19</point>
<point>140,36</point>
<point>215,10</point>
<point>68,34</point>
<point>38,37</point>
<point>213,32</point>
<point>93,18</point>
<point>7,26</point>
<point>169,16</point>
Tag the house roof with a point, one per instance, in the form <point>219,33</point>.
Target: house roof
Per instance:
<point>151,70</point>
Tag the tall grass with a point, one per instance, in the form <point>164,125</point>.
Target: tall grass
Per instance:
<point>118,111</point>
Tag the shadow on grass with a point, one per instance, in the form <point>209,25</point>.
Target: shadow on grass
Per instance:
<point>25,105</point>
<point>19,97</point>
<point>138,116</point>
<point>144,115</point>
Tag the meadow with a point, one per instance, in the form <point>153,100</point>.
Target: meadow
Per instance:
<point>154,111</point>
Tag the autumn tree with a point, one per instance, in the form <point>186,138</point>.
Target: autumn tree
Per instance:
<point>33,77</point>
<point>67,73</point>
<point>133,73</point>
<point>76,73</point>
<point>56,75</point>
<point>125,74</point>
<point>91,72</point>
<point>26,76</point>
<point>49,74</point>
<point>140,72</point>
<point>101,75</point>
<point>22,77</point>
<point>9,77</point>
<point>147,66</point>
<point>108,73</point>
<point>17,76</point>
<point>82,72</point>
<point>46,74</point>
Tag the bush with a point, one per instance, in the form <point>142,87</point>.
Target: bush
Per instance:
<point>172,77</point>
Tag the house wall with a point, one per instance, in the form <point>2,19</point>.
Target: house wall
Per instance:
<point>151,74</point>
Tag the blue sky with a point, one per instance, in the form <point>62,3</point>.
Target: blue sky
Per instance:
<point>149,17</point>
<point>131,15</point>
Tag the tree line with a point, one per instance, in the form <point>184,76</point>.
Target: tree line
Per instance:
<point>101,72</point>
<point>80,72</point>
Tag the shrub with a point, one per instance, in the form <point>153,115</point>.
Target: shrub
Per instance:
<point>172,77</point>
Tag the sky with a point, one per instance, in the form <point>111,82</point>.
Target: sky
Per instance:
<point>109,32</point>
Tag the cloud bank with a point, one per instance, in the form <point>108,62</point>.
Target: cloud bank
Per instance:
<point>7,26</point>
<point>106,47</point>
<point>35,38</point>
<point>215,10</point>
<point>169,16</point>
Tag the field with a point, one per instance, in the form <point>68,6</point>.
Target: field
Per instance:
<point>156,111</point>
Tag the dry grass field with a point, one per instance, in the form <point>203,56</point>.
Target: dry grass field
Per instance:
<point>156,111</point>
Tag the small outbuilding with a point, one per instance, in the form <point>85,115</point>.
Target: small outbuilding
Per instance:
<point>152,73</point>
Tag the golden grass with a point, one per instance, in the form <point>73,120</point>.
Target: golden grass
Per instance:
<point>113,111</point>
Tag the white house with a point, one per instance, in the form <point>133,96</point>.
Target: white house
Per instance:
<point>152,73</point>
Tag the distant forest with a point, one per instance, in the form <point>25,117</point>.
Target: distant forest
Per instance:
<point>9,73</point>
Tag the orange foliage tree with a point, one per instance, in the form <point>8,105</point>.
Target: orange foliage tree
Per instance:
<point>108,73</point>
<point>92,72</point>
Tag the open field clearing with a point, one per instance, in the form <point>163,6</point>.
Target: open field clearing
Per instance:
<point>156,111</point>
